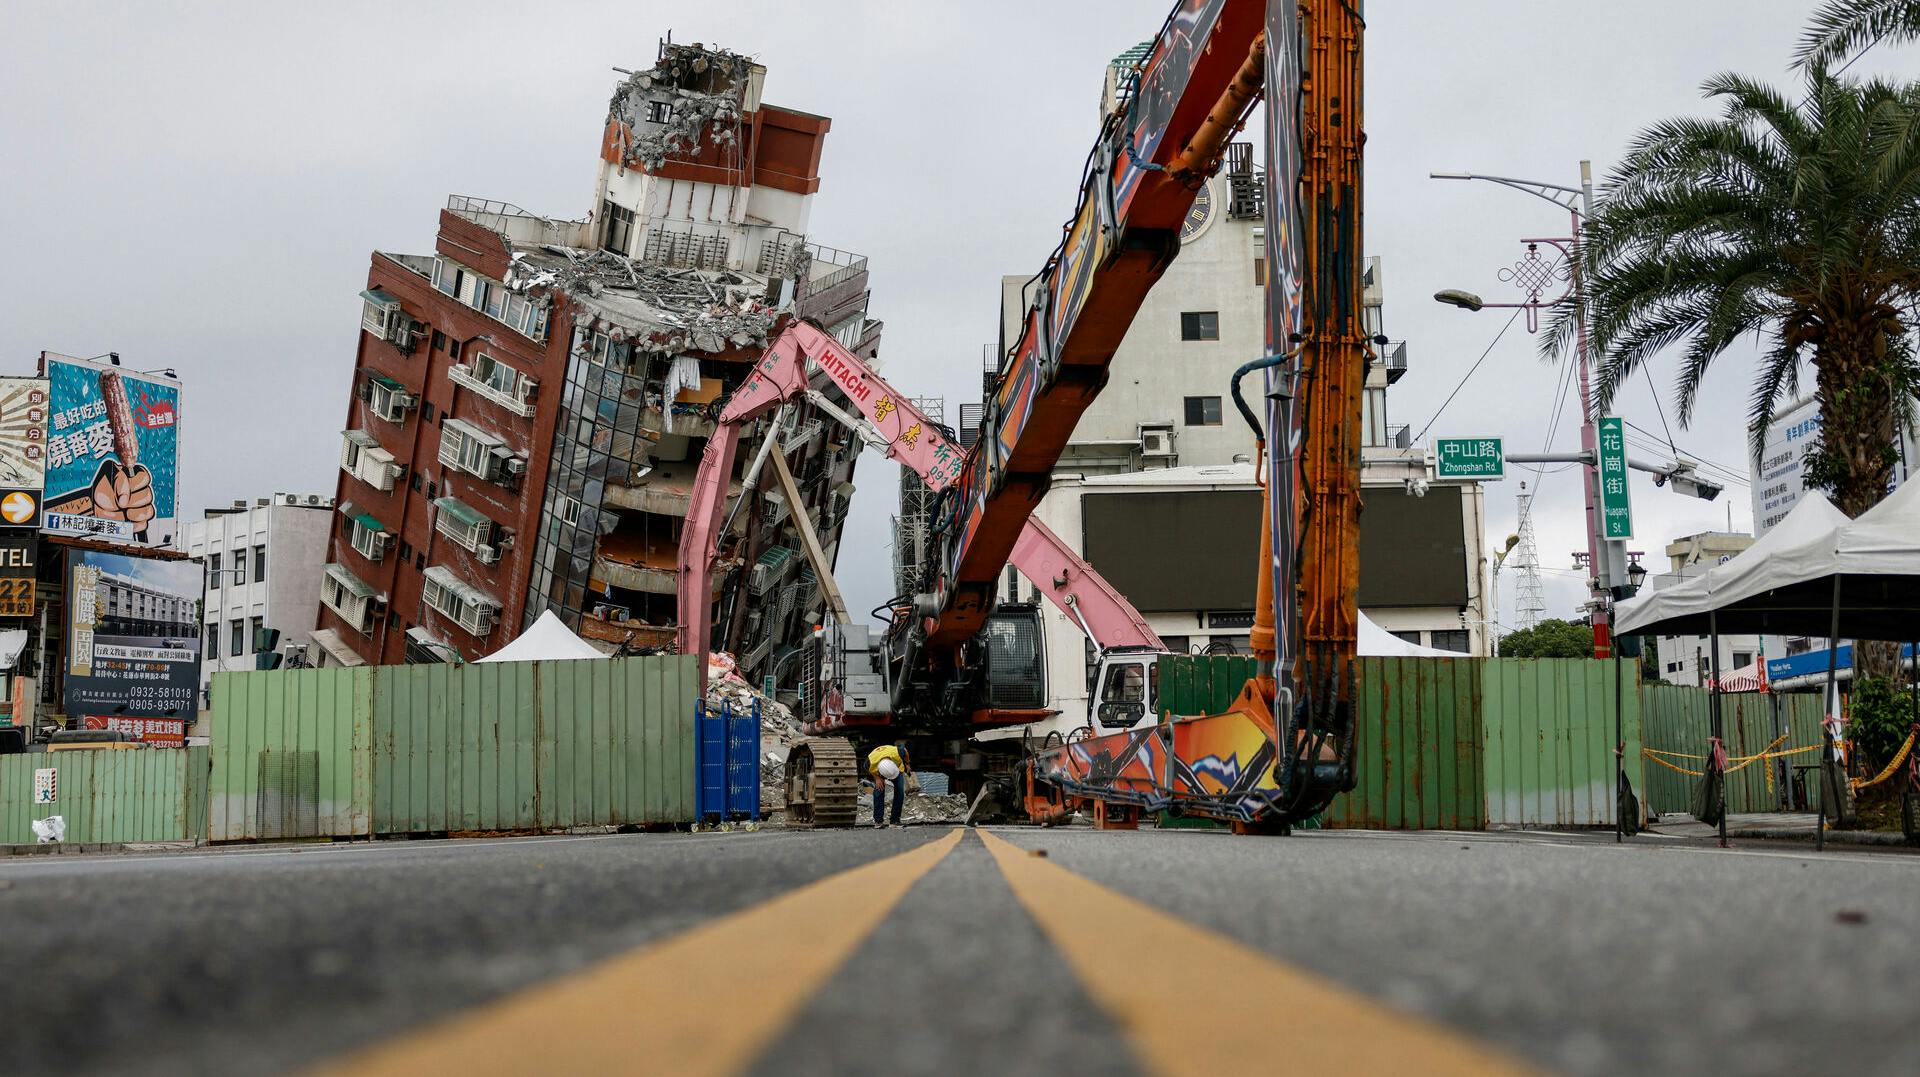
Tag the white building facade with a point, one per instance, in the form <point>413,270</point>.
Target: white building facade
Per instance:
<point>264,565</point>
<point>1157,491</point>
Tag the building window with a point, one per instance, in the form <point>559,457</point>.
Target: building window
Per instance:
<point>213,572</point>
<point>368,536</point>
<point>1452,639</point>
<point>260,563</point>
<point>347,595</point>
<point>1407,637</point>
<point>446,276</point>
<point>659,111</point>
<point>1203,411</point>
<point>496,381</point>
<point>239,567</point>
<point>363,458</point>
<point>213,641</point>
<point>1200,325</point>
<point>468,607</point>
<point>389,399</point>
<point>439,341</point>
<point>415,482</point>
<point>1259,272</point>
<point>239,637</point>
<point>406,551</point>
<point>468,448</point>
<point>465,525</point>
<point>619,229</point>
<point>256,626</point>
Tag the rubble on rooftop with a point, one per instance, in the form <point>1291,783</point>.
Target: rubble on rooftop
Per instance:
<point>659,309</point>
<point>705,87</point>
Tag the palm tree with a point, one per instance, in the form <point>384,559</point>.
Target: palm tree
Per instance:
<point>1799,223</point>
<point>1844,27</point>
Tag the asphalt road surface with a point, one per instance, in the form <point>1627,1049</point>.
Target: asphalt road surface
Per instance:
<point>946,950</point>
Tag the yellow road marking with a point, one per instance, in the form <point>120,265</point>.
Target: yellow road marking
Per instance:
<point>1195,1002</point>
<point>672,1007</point>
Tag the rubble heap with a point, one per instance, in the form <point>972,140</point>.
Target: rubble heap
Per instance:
<point>705,89</point>
<point>692,309</point>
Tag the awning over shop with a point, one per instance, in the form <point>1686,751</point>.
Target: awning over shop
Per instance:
<point>369,522</point>
<point>358,587</point>
<point>330,642</point>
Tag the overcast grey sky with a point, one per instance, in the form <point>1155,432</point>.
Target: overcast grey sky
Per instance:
<point>199,186</point>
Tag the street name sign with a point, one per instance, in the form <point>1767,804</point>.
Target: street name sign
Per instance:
<point>1616,514</point>
<point>1469,458</point>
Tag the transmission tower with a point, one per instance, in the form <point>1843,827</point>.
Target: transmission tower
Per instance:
<point>1531,599</point>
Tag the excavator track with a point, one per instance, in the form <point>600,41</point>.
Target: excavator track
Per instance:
<point>823,782</point>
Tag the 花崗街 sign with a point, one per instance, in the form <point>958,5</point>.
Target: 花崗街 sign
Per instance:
<point>112,452</point>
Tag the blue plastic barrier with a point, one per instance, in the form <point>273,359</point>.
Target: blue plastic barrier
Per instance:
<point>727,757</point>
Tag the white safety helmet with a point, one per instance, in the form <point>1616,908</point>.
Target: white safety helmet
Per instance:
<point>889,769</point>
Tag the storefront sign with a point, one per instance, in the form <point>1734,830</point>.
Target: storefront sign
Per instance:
<point>164,731</point>
<point>17,559</point>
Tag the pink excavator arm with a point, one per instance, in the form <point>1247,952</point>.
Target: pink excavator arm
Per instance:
<point>781,374</point>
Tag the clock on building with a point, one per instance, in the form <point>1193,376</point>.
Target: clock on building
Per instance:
<point>1199,216</point>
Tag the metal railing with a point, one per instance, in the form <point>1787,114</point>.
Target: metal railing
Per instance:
<point>518,224</point>
<point>851,265</point>
<point>1400,437</point>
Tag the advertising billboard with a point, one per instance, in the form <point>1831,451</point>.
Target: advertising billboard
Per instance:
<point>133,637</point>
<point>23,450</point>
<point>112,453</point>
<point>1779,472</point>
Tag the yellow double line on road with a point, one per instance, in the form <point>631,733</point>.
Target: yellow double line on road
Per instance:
<point>653,1010</point>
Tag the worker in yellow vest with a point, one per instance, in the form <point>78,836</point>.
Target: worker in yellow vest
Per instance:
<point>888,766</point>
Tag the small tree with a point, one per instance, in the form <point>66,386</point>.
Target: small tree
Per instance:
<point>1549,639</point>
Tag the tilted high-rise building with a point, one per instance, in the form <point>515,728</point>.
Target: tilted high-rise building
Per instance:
<point>531,400</point>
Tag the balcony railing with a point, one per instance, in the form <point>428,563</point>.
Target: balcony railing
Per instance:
<point>462,374</point>
<point>519,226</point>
<point>850,266</point>
<point>1395,361</point>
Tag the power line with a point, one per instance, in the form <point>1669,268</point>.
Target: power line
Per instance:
<point>1463,378</point>
<point>1658,410</point>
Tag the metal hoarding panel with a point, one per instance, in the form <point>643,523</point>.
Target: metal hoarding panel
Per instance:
<point>533,745</point>
<point>265,728</point>
<point>111,796</point>
<point>133,636</point>
<point>112,452</point>
<point>1417,746</point>
<point>1549,735</point>
<point>1680,723</point>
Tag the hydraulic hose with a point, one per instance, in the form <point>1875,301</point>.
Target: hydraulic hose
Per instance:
<point>1261,363</point>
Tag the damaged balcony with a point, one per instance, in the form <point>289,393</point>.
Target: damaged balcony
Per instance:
<point>642,553</point>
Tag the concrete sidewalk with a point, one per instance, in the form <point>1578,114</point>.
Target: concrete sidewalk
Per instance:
<point>1772,826</point>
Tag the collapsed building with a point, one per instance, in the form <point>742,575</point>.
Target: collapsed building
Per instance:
<point>531,400</point>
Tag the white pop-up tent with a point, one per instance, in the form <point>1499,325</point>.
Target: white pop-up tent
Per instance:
<point>1682,606</point>
<point>1377,642</point>
<point>546,639</point>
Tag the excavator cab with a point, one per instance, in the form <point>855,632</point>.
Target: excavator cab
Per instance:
<point>1125,689</point>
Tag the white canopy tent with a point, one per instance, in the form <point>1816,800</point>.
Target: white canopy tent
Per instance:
<point>1784,553</point>
<point>1377,642</point>
<point>547,639</point>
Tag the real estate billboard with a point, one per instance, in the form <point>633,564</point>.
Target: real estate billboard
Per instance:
<point>133,636</point>
<point>112,452</point>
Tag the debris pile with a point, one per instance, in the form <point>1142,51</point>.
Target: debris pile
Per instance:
<point>709,310</point>
<point>667,108</point>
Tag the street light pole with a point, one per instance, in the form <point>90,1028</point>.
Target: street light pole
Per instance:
<point>1605,559</point>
